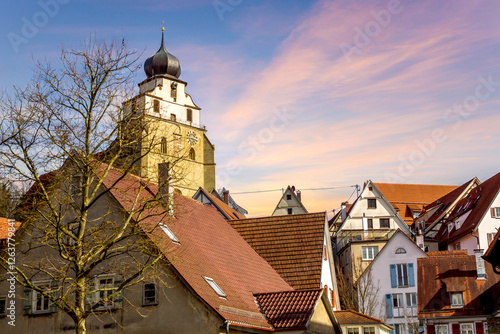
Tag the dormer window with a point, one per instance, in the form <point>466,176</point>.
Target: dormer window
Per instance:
<point>169,233</point>
<point>457,299</point>
<point>215,287</point>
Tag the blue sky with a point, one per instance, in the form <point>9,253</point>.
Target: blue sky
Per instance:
<point>307,93</point>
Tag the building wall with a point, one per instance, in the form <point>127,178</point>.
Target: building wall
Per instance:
<point>488,225</point>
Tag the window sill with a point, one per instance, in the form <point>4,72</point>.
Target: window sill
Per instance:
<point>152,304</point>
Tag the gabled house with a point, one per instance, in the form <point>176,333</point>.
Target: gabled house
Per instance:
<point>212,280</point>
<point>365,229</point>
<point>457,294</point>
<point>353,322</point>
<point>297,246</point>
<point>428,223</point>
<point>222,206</point>
<point>290,203</point>
<point>225,196</point>
<point>473,220</point>
<point>389,284</point>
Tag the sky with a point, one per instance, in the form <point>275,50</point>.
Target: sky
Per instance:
<point>314,94</point>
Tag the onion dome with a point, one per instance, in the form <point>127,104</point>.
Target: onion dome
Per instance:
<point>162,62</point>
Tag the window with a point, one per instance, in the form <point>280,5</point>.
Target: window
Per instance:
<point>497,213</point>
<point>490,237</point>
<point>192,154</point>
<point>40,303</point>
<point>400,250</point>
<point>173,117</point>
<point>457,246</point>
<point>441,329</point>
<point>370,223</point>
<point>457,299</point>
<point>168,232</point>
<point>3,306</point>
<point>288,197</point>
<point>156,106</point>
<point>402,272</point>
<point>289,211</point>
<point>189,115</point>
<point>163,145</point>
<point>133,105</point>
<point>106,288</point>
<point>368,330</point>
<point>369,252</point>
<point>384,223</point>
<point>173,91</point>
<point>353,330</point>
<point>399,328</point>
<point>372,203</point>
<point>466,329</point>
<point>149,296</point>
<point>411,299</point>
<point>397,300</point>
<point>214,286</point>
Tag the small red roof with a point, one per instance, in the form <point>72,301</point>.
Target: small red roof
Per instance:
<point>351,317</point>
<point>288,309</point>
<point>292,244</point>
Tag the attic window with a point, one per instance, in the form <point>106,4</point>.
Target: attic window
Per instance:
<point>214,286</point>
<point>372,203</point>
<point>400,250</point>
<point>288,197</point>
<point>170,234</point>
<point>457,299</point>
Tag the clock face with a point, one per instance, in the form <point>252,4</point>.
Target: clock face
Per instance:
<point>192,138</point>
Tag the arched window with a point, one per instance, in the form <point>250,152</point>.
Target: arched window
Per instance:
<point>400,250</point>
<point>173,91</point>
<point>192,155</point>
<point>164,145</point>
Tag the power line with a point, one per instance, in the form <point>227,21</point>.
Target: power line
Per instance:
<point>309,189</point>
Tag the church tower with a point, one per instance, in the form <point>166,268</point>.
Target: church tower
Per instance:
<point>177,144</point>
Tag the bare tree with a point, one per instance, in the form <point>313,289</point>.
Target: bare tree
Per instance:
<point>361,295</point>
<point>66,133</point>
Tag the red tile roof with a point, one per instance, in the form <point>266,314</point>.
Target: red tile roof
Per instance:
<point>229,212</point>
<point>406,198</point>
<point>351,317</point>
<point>209,247</point>
<point>288,309</point>
<point>4,227</point>
<point>477,204</point>
<point>292,244</point>
<point>440,275</point>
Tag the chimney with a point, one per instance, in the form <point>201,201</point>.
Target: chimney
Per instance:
<point>481,270</point>
<point>420,240</point>
<point>163,187</point>
<point>225,193</point>
<point>343,211</point>
<point>299,196</point>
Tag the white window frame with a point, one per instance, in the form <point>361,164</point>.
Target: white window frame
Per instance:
<point>497,212</point>
<point>399,328</point>
<point>371,252</point>
<point>215,287</point>
<point>411,299</point>
<point>470,330</point>
<point>399,298</point>
<point>99,295</point>
<point>441,329</point>
<point>354,330</point>
<point>44,300</point>
<point>457,293</point>
<point>169,233</point>
<point>403,280</point>
<point>371,328</point>
<point>144,290</point>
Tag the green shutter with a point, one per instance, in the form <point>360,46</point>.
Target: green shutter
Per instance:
<point>27,300</point>
<point>55,294</point>
<point>118,300</point>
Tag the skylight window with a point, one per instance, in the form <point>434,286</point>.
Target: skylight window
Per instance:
<point>214,286</point>
<point>170,234</point>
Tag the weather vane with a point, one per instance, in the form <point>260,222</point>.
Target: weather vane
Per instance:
<point>162,28</point>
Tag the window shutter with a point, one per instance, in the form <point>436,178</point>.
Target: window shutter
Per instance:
<point>479,328</point>
<point>55,294</point>
<point>411,274</point>
<point>391,331</point>
<point>493,213</point>
<point>394,280</point>
<point>455,328</point>
<point>388,305</point>
<point>430,329</point>
<point>118,300</point>
<point>27,300</point>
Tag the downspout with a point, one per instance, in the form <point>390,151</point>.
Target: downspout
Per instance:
<point>227,327</point>
<point>477,238</point>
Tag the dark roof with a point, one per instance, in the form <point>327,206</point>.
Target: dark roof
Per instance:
<point>162,62</point>
<point>476,204</point>
<point>288,309</point>
<point>292,244</point>
<point>209,247</point>
<point>440,274</point>
<point>351,317</point>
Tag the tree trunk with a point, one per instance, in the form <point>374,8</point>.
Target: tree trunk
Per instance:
<point>80,326</point>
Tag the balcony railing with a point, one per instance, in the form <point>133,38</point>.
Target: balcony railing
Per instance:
<point>346,237</point>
